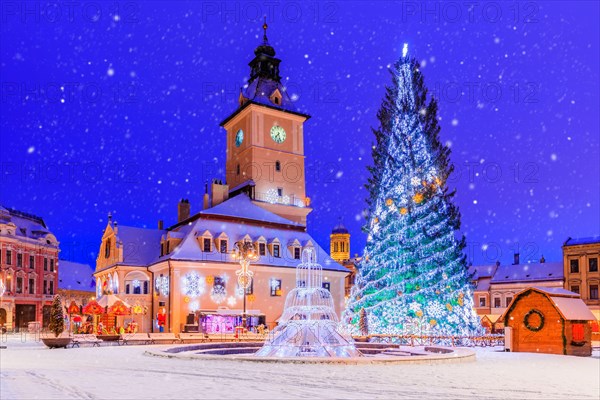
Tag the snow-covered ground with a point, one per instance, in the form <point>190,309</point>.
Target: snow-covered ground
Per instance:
<point>30,371</point>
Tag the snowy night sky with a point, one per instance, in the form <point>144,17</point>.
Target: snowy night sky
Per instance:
<point>135,126</point>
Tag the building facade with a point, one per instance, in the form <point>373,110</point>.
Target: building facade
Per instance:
<point>28,269</point>
<point>184,277</point>
<point>580,259</point>
<point>496,286</point>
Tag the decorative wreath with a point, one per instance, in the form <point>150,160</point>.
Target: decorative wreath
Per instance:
<point>534,328</point>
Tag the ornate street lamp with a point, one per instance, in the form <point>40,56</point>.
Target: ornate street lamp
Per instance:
<point>245,253</point>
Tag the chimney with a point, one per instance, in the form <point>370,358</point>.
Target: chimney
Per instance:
<point>516,259</point>
<point>206,200</point>
<point>183,210</point>
<point>161,224</point>
<point>220,192</point>
<point>542,260</point>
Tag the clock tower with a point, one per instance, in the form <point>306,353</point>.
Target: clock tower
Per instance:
<point>265,141</point>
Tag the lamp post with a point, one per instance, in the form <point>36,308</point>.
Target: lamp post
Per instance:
<point>245,253</point>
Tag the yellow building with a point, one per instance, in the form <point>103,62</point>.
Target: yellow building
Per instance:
<point>184,277</point>
<point>339,243</point>
<point>580,263</point>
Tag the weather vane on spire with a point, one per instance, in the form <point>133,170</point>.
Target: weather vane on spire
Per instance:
<point>265,26</point>
<point>404,49</point>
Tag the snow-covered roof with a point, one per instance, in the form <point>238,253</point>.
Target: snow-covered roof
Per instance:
<point>554,291</point>
<point>533,272</point>
<point>261,89</point>
<point>75,276</point>
<point>189,248</point>
<point>573,308</point>
<point>236,218</point>
<point>482,271</point>
<point>580,241</point>
<point>241,206</point>
<point>569,304</point>
<point>27,225</point>
<point>140,246</point>
<point>483,285</point>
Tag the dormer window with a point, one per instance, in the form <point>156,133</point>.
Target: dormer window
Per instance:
<point>297,253</point>
<point>206,245</point>
<point>262,249</point>
<point>276,251</point>
<point>223,245</point>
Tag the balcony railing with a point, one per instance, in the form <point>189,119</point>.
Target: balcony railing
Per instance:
<point>286,200</point>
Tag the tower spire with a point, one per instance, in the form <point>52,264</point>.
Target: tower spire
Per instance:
<point>265,26</point>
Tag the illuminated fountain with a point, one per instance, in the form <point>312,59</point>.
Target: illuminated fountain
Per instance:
<point>309,325</point>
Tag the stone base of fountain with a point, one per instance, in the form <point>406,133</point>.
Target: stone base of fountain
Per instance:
<point>372,353</point>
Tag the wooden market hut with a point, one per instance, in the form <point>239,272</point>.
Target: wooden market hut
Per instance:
<point>548,320</point>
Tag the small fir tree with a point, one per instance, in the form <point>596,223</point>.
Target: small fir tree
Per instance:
<point>363,323</point>
<point>57,321</point>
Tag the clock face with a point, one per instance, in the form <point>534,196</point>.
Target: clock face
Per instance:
<point>278,134</point>
<point>239,138</point>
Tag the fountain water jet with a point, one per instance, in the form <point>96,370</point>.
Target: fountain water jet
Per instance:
<point>309,326</point>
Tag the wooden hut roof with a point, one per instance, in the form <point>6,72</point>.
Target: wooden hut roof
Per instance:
<point>568,304</point>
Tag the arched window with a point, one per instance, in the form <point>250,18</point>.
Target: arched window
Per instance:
<point>136,283</point>
<point>107,248</point>
<point>277,166</point>
<point>115,283</point>
<point>110,284</point>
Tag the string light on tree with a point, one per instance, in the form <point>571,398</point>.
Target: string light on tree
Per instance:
<point>413,277</point>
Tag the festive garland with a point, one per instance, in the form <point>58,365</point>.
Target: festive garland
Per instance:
<point>526,320</point>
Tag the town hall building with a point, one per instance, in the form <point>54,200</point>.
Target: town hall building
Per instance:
<point>183,277</point>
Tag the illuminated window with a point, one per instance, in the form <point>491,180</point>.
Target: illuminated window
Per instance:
<point>275,287</point>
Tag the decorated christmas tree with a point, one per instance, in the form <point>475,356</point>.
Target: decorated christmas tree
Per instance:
<point>57,321</point>
<point>413,277</point>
